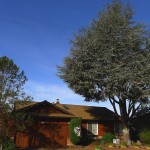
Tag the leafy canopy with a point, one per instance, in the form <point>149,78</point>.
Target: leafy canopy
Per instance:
<point>110,60</point>
<point>12,80</point>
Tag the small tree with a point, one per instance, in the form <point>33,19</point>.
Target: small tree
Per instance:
<point>12,81</point>
<point>74,137</point>
<point>110,61</point>
<point>25,122</point>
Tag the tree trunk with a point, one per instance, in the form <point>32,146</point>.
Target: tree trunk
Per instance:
<point>125,120</point>
<point>1,122</point>
<point>126,134</point>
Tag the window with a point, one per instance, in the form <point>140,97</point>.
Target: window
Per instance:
<point>92,128</point>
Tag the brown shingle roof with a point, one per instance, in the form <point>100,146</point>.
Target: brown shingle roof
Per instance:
<point>89,112</point>
<point>27,106</point>
<point>84,112</point>
<point>56,115</point>
<point>20,105</point>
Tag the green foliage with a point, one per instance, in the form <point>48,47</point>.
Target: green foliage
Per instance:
<point>12,80</point>
<point>123,144</point>
<point>98,148</point>
<point>148,146</point>
<point>75,122</point>
<point>23,122</point>
<point>135,144</point>
<point>108,137</point>
<point>8,144</point>
<point>109,144</point>
<point>109,60</point>
<point>145,136</point>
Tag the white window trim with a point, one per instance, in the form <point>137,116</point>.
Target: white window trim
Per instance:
<point>92,124</point>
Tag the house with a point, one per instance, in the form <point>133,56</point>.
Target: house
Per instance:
<point>51,123</point>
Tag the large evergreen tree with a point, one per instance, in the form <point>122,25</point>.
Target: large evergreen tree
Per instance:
<point>110,61</point>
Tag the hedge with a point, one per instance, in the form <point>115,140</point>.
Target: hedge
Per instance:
<point>75,122</point>
<point>108,137</point>
<point>145,136</point>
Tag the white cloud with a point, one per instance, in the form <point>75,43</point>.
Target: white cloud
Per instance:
<point>40,92</point>
<point>49,92</point>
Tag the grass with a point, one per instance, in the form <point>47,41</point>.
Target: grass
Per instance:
<point>123,144</point>
<point>136,145</point>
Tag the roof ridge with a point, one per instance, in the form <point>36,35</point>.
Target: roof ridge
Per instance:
<point>83,105</point>
<point>45,101</point>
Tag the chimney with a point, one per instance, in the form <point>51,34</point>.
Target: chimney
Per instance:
<point>57,101</point>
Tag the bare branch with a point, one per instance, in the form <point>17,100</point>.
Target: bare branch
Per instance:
<point>113,104</point>
<point>114,100</point>
<point>135,109</point>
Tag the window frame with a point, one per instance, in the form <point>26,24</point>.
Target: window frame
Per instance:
<point>89,132</point>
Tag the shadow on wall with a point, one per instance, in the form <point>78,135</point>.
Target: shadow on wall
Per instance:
<point>89,137</point>
<point>44,135</point>
<point>51,135</point>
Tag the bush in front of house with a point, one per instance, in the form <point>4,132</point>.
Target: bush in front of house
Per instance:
<point>8,144</point>
<point>74,137</point>
<point>123,144</point>
<point>108,137</point>
<point>145,136</point>
<point>98,148</point>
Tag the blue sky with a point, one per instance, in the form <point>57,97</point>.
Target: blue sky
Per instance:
<point>36,34</point>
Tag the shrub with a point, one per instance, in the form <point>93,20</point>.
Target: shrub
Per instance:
<point>148,146</point>
<point>110,144</point>
<point>75,122</point>
<point>98,148</point>
<point>123,144</point>
<point>108,137</point>
<point>136,144</point>
<point>8,144</point>
<point>145,136</point>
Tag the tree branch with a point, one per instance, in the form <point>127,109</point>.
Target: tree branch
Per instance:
<point>131,106</point>
<point>135,109</point>
<point>113,104</point>
<point>114,100</point>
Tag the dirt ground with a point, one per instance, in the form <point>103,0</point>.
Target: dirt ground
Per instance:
<point>93,148</point>
<point>106,148</point>
<point>114,148</point>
